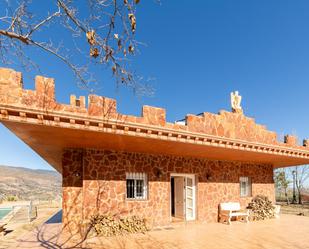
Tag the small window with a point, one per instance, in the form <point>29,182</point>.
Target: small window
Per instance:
<point>245,186</point>
<point>136,186</point>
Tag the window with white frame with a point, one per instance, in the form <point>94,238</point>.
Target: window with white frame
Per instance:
<point>245,186</point>
<point>136,186</point>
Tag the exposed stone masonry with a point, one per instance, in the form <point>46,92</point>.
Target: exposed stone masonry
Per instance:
<point>94,182</point>
<point>225,124</point>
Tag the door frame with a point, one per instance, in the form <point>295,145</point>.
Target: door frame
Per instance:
<point>185,205</point>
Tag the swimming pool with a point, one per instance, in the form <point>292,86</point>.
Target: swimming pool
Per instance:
<point>4,212</point>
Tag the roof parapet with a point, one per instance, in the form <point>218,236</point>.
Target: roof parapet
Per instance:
<point>290,140</point>
<point>225,124</point>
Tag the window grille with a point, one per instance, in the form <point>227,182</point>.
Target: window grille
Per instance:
<point>136,186</point>
<point>245,186</point>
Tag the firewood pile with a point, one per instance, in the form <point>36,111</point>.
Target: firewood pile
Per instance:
<point>107,225</point>
<point>261,208</point>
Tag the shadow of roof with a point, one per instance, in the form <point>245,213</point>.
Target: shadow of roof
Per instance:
<point>56,218</point>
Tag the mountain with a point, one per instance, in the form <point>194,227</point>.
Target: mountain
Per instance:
<point>29,184</point>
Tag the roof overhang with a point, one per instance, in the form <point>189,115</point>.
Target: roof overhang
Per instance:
<point>48,133</point>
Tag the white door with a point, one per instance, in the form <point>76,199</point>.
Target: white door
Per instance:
<point>179,196</point>
<point>190,197</point>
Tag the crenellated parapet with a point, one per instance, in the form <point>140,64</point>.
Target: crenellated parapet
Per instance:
<point>229,125</point>
<point>290,140</point>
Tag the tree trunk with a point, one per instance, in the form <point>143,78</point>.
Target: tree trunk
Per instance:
<point>286,196</point>
<point>299,197</point>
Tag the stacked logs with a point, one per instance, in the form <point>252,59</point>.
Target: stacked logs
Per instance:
<point>261,208</point>
<point>107,225</point>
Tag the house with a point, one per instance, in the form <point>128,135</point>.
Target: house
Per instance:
<point>119,164</point>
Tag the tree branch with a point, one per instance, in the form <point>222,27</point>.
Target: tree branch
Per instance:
<point>57,13</point>
<point>13,35</point>
<point>70,15</point>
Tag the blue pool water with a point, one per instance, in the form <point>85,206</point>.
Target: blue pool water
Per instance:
<point>4,212</point>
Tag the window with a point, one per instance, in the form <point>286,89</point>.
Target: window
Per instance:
<point>245,186</point>
<point>136,186</point>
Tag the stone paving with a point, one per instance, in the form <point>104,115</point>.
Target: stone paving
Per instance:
<point>287,232</point>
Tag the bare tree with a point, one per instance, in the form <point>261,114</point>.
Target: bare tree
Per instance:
<point>301,176</point>
<point>282,182</point>
<point>103,34</point>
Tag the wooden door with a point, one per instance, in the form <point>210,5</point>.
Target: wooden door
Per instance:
<point>190,197</point>
<point>179,197</point>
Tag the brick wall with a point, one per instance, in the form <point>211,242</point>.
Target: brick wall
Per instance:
<point>94,182</point>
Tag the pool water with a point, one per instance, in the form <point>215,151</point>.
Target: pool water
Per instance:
<point>4,212</point>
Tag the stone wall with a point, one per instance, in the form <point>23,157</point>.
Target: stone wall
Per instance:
<point>225,124</point>
<point>94,182</point>
<point>72,185</point>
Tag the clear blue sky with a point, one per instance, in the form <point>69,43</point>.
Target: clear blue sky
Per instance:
<point>199,52</point>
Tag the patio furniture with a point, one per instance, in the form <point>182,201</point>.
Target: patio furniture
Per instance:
<point>232,209</point>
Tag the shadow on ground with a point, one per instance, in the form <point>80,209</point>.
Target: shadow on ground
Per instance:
<point>49,235</point>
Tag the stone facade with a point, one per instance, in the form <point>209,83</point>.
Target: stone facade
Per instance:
<point>225,124</point>
<point>94,182</point>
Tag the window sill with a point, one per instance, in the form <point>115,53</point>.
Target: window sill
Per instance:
<point>134,200</point>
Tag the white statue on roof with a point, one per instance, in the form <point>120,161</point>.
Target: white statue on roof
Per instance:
<point>235,102</point>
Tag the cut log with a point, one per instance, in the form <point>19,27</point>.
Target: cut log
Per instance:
<point>261,208</point>
<point>107,226</point>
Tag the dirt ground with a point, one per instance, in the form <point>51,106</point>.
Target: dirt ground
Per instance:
<point>296,209</point>
<point>16,230</point>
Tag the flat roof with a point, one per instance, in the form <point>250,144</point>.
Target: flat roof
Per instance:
<point>49,127</point>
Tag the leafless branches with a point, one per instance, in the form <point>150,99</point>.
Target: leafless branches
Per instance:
<point>301,176</point>
<point>103,34</point>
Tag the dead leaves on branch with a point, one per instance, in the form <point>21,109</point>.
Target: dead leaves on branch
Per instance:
<point>114,69</point>
<point>132,19</point>
<point>91,37</point>
<point>131,48</point>
<point>107,36</point>
<point>119,42</point>
<point>124,75</point>
<point>121,45</point>
<point>126,2</point>
<point>94,52</point>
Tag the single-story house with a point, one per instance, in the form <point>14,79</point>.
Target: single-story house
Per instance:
<point>118,164</point>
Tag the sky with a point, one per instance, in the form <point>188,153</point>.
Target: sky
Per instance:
<point>197,52</point>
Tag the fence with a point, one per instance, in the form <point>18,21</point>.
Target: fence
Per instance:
<point>22,213</point>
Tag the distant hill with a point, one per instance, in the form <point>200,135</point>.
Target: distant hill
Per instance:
<point>29,184</point>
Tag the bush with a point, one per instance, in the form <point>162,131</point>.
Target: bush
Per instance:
<point>11,198</point>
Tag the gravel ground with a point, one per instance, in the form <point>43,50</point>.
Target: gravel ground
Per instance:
<point>296,209</point>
